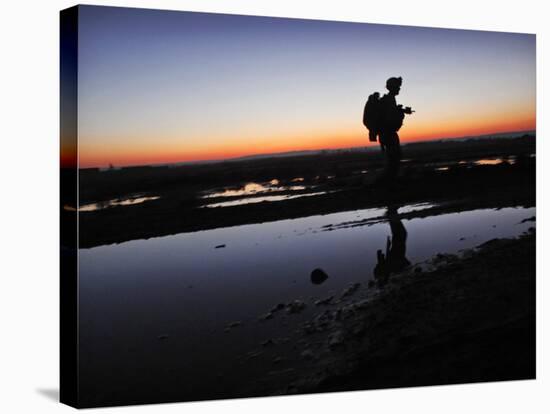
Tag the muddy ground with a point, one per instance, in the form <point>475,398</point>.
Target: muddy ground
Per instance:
<point>454,319</point>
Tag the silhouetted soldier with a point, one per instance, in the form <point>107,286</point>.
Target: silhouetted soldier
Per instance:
<point>396,249</point>
<point>390,121</point>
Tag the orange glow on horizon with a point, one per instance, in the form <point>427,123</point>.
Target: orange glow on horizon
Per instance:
<point>412,131</point>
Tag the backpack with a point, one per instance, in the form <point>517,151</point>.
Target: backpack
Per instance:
<point>372,114</point>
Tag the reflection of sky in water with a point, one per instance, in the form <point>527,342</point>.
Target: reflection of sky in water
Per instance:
<point>445,166</point>
<point>415,207</point>
<point>254,193</point>
<point>116,202</point>
<point>368,217</point>
<point>183,287</point>
<point>489,161</point>
<point>495,161</point>
<point>253,200</point>
<point>254,188</point>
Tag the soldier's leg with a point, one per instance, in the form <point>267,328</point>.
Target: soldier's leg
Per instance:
<point>397,155</point>
<point>393,151</point>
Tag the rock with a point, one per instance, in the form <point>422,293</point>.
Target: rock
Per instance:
<point>252,355</point>
<point>296,306</point>
<point>318,276</point>
<point>425,267</point>
<point>441,258</point>
<point>348,310</point>
<point>268,342</point>
<point>266,316</point>
<point>350,290</point>
<point>277,307</point>
<point>325,301</point>
<point>278,360</point>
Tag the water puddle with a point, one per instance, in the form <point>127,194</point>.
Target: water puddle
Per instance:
<point>194,301</point>
<point>446,166</point>
<point>261,199</point>
<point>130,201</point>
<point>375,215</point>
<point>495,161</point>
<point>252,193</point>
<point>250,189</point>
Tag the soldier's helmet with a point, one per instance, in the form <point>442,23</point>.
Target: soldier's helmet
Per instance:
<point>394,83</point>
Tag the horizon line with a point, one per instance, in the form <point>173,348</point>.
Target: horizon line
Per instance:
<point>252,155</point>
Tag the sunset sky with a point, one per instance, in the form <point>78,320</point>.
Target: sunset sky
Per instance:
<point>158,86</point>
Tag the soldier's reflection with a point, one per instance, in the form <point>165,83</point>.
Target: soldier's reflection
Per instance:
<point>394,259</point>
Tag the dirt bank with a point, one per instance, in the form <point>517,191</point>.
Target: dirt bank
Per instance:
<point>455,319</point>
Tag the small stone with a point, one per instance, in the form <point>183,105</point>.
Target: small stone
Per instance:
<point>266,316</point>
<point>325,301</point>
<point>318,276</point>
<point>351,289</point>
<point>252,355</point>
<point>277,307</point>
<point>296,306</point>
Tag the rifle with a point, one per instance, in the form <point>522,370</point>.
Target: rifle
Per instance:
<point>406,110</point>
